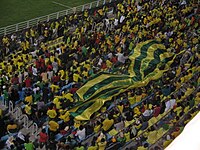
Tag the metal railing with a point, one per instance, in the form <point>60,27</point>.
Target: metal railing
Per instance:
<point>3,101</point>
<point>17,112</point>
<point>23,118</point>
<point>34,129</point>
<point>33,22</point>
<point>10,107</point>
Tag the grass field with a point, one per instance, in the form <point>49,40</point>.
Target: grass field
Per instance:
<point>15,11</point>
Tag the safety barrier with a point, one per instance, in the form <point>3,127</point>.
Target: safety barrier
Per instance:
<point>33,22</point>
<point>17,111</point>
<point>34,130</point>
<point>25,120</point>
<point>3,101</point>
<point>10,107</point>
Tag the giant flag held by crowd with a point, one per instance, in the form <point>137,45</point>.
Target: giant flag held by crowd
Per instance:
<point>148,61</point>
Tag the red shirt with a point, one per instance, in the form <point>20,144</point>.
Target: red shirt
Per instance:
<point>49,68</point>
<point>114,60</point>
<point>156,111</point>
<point>42,62</point>
<point>55,79</point>
<point>28,82</point>
<point>103,66</point>
<point>43,137</point>
<point>15,80</point>
<point>73,90</point>
<point>37,64</point>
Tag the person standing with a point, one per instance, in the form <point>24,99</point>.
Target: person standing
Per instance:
<point>43,138</point>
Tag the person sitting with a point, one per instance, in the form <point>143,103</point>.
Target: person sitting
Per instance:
<point>12,127</point>
<point>102,144</point>
<point>107,123</point>
<point>43,138</point>
<point>81,133</point>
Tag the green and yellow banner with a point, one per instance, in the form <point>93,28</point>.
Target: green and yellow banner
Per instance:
<point>149,60</point>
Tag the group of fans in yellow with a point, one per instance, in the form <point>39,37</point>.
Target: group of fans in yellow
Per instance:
<point>43,67</point>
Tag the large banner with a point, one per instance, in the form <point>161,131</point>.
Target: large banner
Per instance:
<point>149,60</point>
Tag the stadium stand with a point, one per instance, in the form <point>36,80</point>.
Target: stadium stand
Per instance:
<point>44,68</point>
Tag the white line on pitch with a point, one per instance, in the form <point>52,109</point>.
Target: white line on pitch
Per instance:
<point>61,4</point>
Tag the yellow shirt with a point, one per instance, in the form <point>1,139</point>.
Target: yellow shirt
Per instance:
<point>51,113</point>
<point>29,99</point>
<point>138,98</point>
<point>137,111</point>
<point>85,73</point>
<point>76,77</point>
<point>1,112</point>
<point>68,96</point>
<point>65,117</point>
<point>92,148</point>
<point>53,126</point>
<point>11,127</point>
<point>57,103</point>
<point>127,136</point>
<point>166,143</point>
<point>152,137</point>
<point>102,146</point>
<point>141,148</point>
<point>120,108</point>
<point>108,64</point>
<point>27,109</point>
<point>97,128</point>
<point>107,124</point>
<point>54,88</point>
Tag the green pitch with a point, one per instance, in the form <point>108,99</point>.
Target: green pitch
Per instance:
<point>15,11</point>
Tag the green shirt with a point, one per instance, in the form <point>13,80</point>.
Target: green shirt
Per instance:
<point>80,148</point>
<point>29,146</point>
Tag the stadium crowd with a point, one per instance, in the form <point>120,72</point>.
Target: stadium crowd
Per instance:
<point>41,69</point>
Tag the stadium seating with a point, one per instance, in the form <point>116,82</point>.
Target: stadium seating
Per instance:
<point>46,65</point>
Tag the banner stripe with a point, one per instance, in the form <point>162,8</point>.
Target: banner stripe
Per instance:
<point>81,109</point>
<point>101,84</point>
<point>153,63</point>
<point>132,57</point>
<point>98,103</point>
<point>138,60</point>
<point>91,83</point>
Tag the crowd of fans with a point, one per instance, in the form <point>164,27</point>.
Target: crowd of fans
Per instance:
<point>41,69</point>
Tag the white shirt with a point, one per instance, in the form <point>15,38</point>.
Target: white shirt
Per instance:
<point>110,55</point>
<point>100,61</point>
<point>59,50</point>
<point>121,58</point>
<point>55,66</point>
<point>147,112</point>
<point>139,8</point>
<point>25,74</point>
<point>36,89</point>
<point>121,19</point>
<point>81,134</point>
<point>107,22</point>
<point>170,104</point>
<point>13,37</point>
<point>34,71</point>
<point>34,53</point>
<point>20,77</point>
<point>21,136</point>
<point>9,142</point>
<point>49,74</point>
<point>116,22</point>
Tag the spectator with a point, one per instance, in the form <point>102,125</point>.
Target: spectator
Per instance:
<point>43,138</point>
<point>81,133</point>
